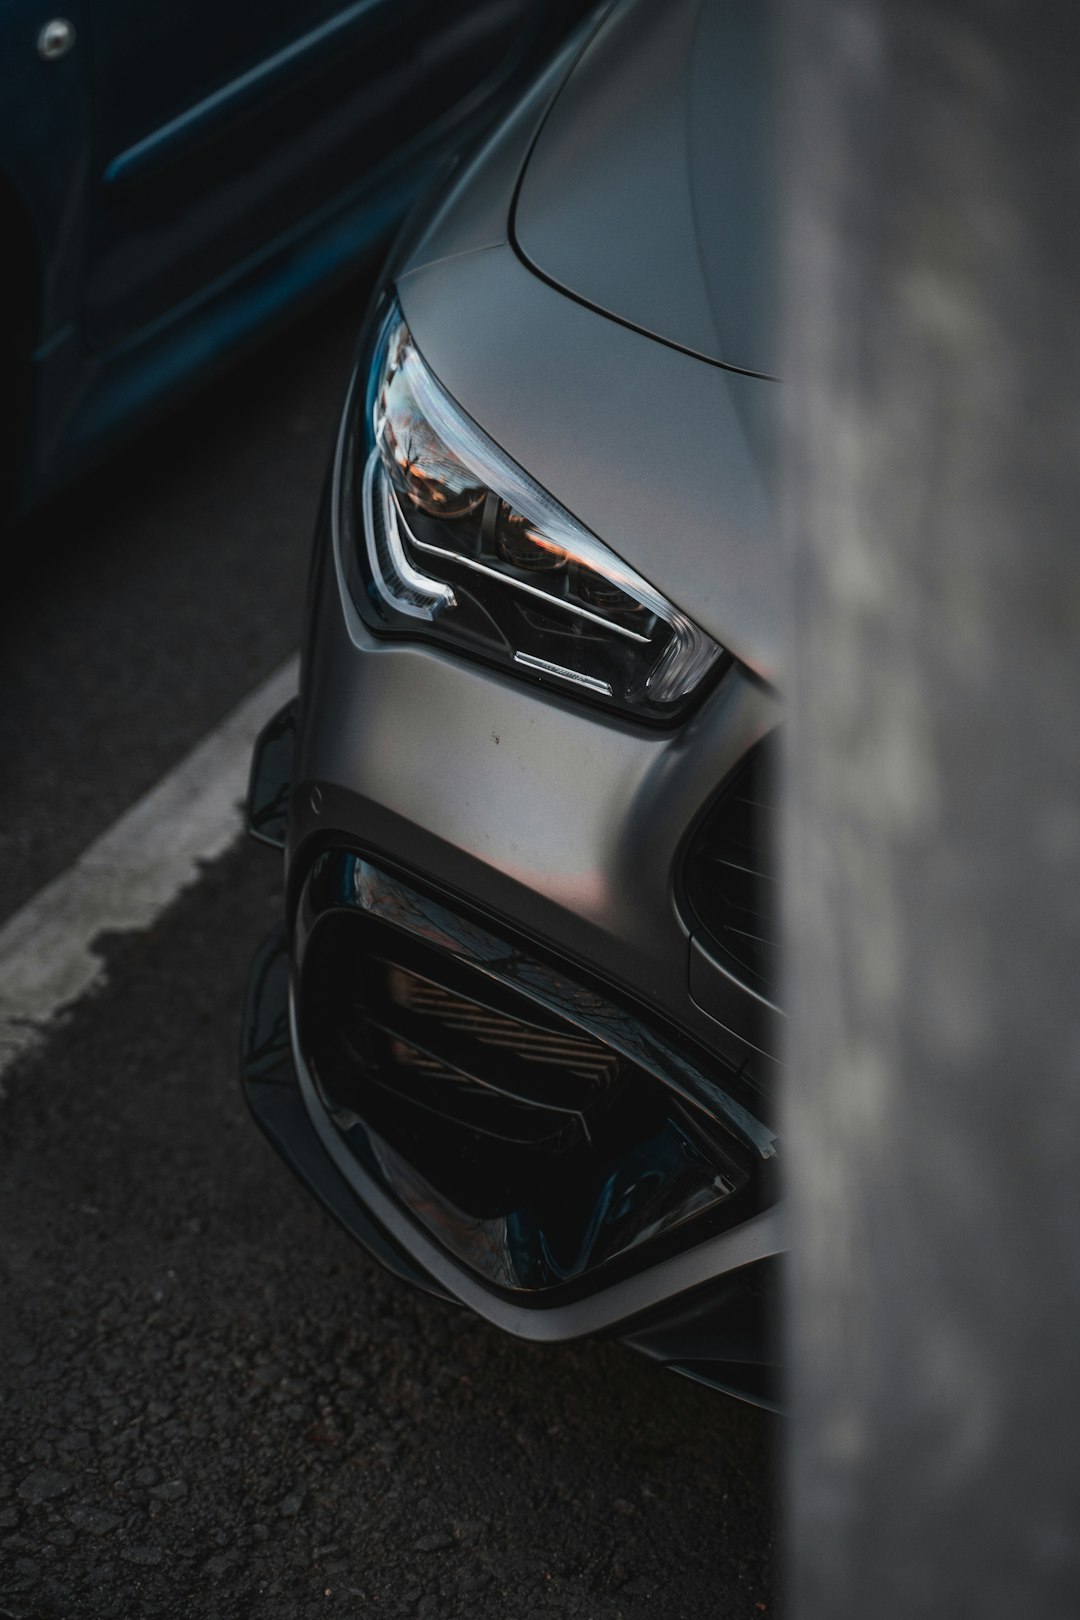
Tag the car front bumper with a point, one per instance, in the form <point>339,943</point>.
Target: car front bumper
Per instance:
<point>539,844</point>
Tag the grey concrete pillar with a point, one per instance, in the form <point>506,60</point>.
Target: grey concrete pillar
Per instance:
<point>932,506</point>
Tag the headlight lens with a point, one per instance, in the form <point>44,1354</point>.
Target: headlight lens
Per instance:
<point>458,544</point>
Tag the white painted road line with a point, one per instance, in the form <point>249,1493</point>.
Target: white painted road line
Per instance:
<point>127,877</point>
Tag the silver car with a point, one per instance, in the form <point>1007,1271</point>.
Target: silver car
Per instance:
<point>518,1028</point>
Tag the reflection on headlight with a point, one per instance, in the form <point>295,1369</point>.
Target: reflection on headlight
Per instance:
<point>463,546</point>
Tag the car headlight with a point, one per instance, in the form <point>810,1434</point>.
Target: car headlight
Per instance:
<point>459,545</point>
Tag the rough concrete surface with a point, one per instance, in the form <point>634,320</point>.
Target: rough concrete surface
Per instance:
<point>215,1405</point>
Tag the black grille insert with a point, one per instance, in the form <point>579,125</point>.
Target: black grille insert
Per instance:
<point>731,871</point>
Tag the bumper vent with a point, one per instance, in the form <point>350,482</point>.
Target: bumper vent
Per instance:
<point>476,1063</point>
<point>731,872</point>
<point>575,1054</point>
<point>524,1121</point>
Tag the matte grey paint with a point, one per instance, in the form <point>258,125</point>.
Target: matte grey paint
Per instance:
<point>475,210</point>
<point>544,810</point>
<point>664,457</point>
<point>660,141</point>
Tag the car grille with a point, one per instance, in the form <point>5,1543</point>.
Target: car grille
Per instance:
<point>731,876</point>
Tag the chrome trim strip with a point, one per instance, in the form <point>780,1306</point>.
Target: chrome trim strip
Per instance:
<point>519,584</point>
<point>564,674</point>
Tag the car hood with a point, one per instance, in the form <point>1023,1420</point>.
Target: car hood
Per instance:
<point>612,393</point>
<point>647,193</point>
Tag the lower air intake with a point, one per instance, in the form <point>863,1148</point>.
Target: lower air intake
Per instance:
<point>532,1149</point>
<point>472,1062</point>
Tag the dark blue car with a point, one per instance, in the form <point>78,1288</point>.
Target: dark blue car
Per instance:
<point>174,178</point>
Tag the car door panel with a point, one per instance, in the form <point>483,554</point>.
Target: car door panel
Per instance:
<point>199,177</point>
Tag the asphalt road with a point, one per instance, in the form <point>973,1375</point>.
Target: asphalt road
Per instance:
<point>211,1402</point>
<point>142,606</point>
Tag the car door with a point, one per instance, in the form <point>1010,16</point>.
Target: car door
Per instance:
<point>222,125</point>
